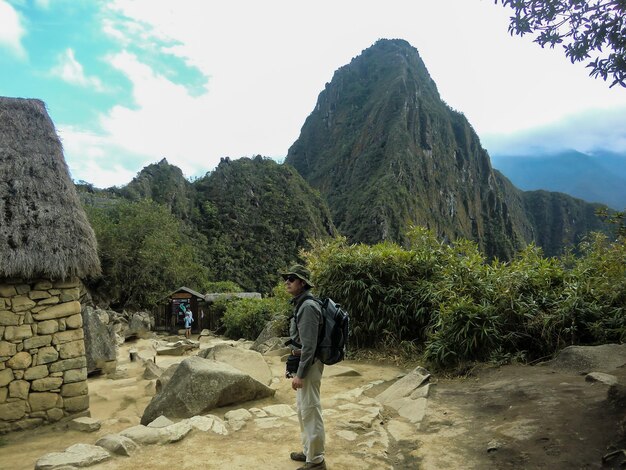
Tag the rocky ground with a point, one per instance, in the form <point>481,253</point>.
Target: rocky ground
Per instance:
<point>513,416</point>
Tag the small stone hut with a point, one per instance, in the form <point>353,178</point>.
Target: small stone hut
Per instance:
<point>46,247</point>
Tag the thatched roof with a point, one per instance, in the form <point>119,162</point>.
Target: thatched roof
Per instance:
<point>44,231</point>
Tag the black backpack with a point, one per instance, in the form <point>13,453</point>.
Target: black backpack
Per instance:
<point>332,339</point>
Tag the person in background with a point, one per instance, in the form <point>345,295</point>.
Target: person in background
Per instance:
<point>304,329</point>
<point>188,322</point>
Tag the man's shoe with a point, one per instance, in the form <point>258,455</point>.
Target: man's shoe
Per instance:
<point>298,456</point>
<point>314,466</point>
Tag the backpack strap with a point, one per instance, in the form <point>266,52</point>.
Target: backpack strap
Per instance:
<point>322,324</point>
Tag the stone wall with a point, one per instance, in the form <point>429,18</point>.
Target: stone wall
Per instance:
<point>43,369</point>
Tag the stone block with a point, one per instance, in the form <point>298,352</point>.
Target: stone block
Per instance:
<point>75,321</point>
<point>68,284</point>
<point>74,389</point>
<point>37,372</point>
<point>6,376</point>
<point>29,423</point>
<point>75,404</point>
<point>28,319</point>
<point>1,331</point>
<point>66,336</point>
<point>47,327</point>
<point>47,355</point>
<point>67,364</point>
<point>72,349</point>
<point>52,300</point>
<point>19,374</point>
<point>9,318</point>
<point>16,333</point>
<point>42,285</point>
<point>37,341</point>
<point>75,375</point>
<point>42,401</point>
<point>38,295</point>
<point>84,424</point>
<point>21,303</point>
<point>22,360</point>
<point>54,414</point>
<point>68,295</point>
<point>58,311</point>
<point>62,326</point>
<point>7,349</point>
<point>19,389</point>
<point>22,289</point>
<point>12,411</point>
<point>46,384</point>
<point>7,291</point>
<point>4,393</point>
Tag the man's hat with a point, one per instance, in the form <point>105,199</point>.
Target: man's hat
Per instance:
<point>300,272</point>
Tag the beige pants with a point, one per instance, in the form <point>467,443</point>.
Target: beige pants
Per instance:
<point>310,414</point>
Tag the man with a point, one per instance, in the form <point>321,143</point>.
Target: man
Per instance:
<point>304,329</point>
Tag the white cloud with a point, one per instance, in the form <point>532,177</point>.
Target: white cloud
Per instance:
<point>11,30</point>
<point>71,71</point>
<point>268,61</point>
<point>43,4</point>
<point>600,128</point>
<point>96,159</point>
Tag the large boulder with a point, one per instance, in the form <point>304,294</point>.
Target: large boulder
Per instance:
<point>165,377</point>
<point>585,359</point>
<point>247,361</point>
<point>100,343</point>
<point>199,385</point>
<point>140,324</point>
<point>178,348</point>
<point>266,340</point>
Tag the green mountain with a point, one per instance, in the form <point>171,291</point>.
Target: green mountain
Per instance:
<point>165,184</point>
<point>386,152</point>
<point>257,215</point>
<point>249,218</point>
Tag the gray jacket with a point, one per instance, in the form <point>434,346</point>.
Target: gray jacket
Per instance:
<point>306,331</point>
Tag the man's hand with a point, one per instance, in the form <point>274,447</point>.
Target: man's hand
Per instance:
<point>297,383</point>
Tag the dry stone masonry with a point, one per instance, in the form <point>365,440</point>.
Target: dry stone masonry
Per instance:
<point>43,368</point>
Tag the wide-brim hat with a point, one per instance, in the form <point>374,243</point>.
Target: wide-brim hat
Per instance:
<point>300,272</point>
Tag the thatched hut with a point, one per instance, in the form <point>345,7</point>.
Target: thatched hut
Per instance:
<point>46,247</point>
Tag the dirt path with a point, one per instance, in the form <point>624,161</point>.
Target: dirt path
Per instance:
<point>513,417</point>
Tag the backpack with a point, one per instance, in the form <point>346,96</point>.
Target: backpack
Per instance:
<point>332,339</point>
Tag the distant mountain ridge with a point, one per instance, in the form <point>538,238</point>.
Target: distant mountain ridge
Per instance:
<point>600,177</point>
<point>386,152</point>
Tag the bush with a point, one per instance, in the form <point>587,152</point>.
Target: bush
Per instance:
<point>386,289</point>
<point>246,318</point>
<point>456,307</point>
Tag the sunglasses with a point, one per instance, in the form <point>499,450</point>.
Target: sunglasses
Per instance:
<point>291,278</point>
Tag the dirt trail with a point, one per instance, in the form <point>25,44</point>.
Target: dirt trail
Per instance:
<point>515,417</point>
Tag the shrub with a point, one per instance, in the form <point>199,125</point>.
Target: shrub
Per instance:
<point>246,318</point>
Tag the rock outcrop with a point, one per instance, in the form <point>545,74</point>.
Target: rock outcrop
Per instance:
<point>198,385</point>
<point>247,361</point>
<point>100,343</point>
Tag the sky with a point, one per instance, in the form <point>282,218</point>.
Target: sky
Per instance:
<point>129,82</point>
